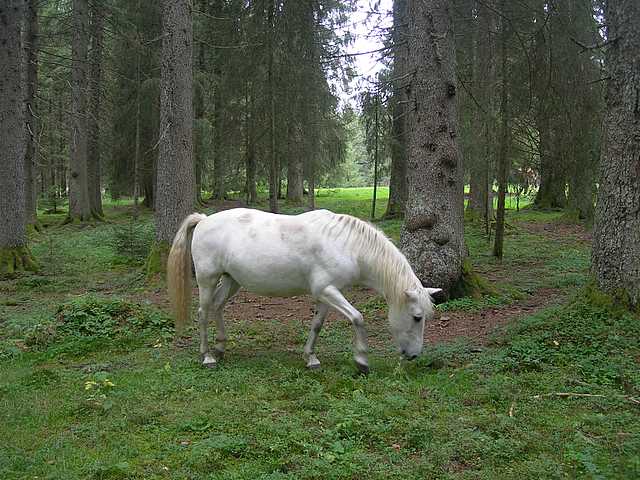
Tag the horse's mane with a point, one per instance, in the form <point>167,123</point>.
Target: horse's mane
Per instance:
<point>373,248</point>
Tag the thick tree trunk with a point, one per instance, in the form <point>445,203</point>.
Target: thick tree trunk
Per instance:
<point>581,181</point>
<point>175,192</point>
<point>31,152</point>
<point>93,118</point>
<point>551,192</point>
<point>79,207</point>
<point>14,254</point>
<point>616,249</point>
<point>432,237</point>
<point>398,177</point>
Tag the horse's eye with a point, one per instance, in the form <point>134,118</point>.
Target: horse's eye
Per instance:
<point>417,319</point>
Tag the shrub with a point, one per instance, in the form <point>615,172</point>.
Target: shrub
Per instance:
<point>132,241</point>
<point>89,316</point>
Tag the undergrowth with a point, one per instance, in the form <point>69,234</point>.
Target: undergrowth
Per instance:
<point>89,316</point>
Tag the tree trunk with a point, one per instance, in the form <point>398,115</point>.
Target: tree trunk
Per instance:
<point>14,254</point>
<point>219,165</point>
<point>249,150</point>
<point>79,207</point>
<point>312,186</point>
<point>398,177</point>
<point>93,119</point>
<point>616,249</point>
<point>175,192</point>
<point>432,237</point>
<point>274,173</point>
<point>31,151</point>
<point>295,177</point>
<point>505,140</point>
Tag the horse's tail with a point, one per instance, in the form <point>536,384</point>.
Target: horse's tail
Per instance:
<point>179,270</point>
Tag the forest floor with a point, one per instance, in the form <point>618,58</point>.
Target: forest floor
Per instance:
<point>537,380</point>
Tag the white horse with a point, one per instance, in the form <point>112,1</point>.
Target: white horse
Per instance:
<point>318,253</point>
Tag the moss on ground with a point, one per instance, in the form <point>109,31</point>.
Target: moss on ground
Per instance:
<point>16,259</point>
<point>471,284</point>
<point>157,260</point>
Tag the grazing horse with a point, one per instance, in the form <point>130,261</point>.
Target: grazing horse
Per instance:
<point>318,253</point>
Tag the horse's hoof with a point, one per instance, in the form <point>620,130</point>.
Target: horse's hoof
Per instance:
<point>362,368</point>
<point>313,366</point>
<point>219,354</point>
<point>208,361</point>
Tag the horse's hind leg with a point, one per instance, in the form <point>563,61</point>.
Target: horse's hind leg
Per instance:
<point>316,326</point>
<point>227,288</point>
<point>206,293</point>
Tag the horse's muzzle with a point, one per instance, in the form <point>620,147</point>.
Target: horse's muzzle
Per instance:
<point>407,356</point>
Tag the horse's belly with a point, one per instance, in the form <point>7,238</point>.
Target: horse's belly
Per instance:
<point>270,279</point>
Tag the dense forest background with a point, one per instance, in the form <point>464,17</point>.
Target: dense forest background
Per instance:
<point>555,91</point>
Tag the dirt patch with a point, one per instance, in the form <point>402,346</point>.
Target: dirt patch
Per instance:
<point>477,326</point>
<point>444,327</point>
<point>559,231</point>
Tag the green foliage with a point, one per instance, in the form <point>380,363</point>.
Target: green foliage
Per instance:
<point>98,391</point>
<point>597,342</point>
<point>132,241</point>
<point>474,304</point>
<point>89,316</point>
<point>157,260</point>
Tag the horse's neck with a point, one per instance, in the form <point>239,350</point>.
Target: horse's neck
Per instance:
<point>386,279</point>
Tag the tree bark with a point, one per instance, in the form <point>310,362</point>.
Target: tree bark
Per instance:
<point>14,254</point>
<point>432,237</point>
<point>31,151</point>
<point>398,177</point>
<point>249,149</point>
<point>175,192</point>
<point>219,165</point>
<point>79,207</point>
<point>505,141</point>
<point>274,167</point>
<point>295,177</point>
<point>93,118</point>
<point>616,249</point>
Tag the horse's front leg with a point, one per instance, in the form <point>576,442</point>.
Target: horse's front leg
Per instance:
<point>332,296</point>
<point>316,326</point>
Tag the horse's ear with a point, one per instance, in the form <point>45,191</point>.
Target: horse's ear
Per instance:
<point>433,291</point>
<point>411,295</point>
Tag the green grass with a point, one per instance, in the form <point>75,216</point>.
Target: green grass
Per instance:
<point>91,385</point>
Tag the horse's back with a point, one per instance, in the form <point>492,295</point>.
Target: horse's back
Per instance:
<point>266,253</point>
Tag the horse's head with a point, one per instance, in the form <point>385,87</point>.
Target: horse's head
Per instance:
<point>407,318</point>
